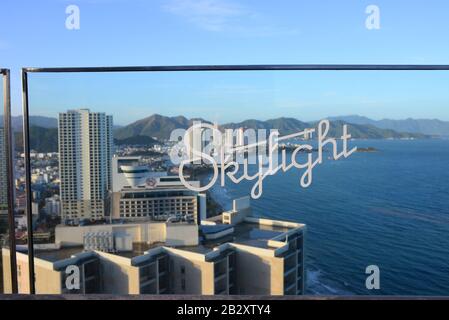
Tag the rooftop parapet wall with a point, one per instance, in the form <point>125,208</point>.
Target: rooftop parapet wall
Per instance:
<point>171,234</point>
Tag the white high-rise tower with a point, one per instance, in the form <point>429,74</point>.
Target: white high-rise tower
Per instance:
<point>85,155</point>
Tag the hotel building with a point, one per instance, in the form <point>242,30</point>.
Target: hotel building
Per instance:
<point>85,154</point>
<point>234,253</point>
<point>139,194</point>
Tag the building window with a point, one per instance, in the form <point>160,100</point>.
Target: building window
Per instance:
<point>183,269</point>
<point>183,284</point>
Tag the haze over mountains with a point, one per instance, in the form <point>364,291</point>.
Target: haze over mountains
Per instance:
<point>432,127</point>
<point>160,127</point>
<point>157,127</point>
<point>39,121</point>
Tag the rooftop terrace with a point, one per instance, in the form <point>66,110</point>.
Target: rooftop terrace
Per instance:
<point>245,233</point>
<point>244,230</point>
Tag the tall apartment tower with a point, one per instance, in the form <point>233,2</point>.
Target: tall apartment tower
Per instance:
<point>3,175</point>
<point>85,155</point>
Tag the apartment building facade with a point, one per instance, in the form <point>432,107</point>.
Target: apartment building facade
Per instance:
<point>253,256</point>
<point>85,155</point>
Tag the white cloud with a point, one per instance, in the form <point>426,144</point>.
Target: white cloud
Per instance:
<point>206,8</point>
<point>211,15</point>
<point>224,16</point>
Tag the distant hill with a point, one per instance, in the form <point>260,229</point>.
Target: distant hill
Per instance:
<point>39,121</point>
<point>367,131</point>
<point>41,139</point>
<point>149,130</point>
<point>156,126</point>
<point>291,125</point>
<point>135,140</point>
<point>432,127</point>
<point>46,140</point>
<point>160,127</point>
<point>284,125</point>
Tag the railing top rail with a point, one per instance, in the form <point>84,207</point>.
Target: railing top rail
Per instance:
<point>280,67</point>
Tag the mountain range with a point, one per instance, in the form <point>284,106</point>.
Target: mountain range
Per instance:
<point>41,139</point>
<point>157,127</point>
<point>39,121</point>
<point>433,127</point>
<point>160,127</point>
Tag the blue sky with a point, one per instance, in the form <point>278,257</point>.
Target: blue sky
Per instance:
<point>187,32</point>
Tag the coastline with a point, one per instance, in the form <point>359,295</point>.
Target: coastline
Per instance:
<point>213,206</point>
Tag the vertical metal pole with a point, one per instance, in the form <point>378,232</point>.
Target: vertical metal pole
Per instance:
<point>29,195</point>
<point>9,150</point>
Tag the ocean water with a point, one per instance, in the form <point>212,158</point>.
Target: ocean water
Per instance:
<point>388,208</point>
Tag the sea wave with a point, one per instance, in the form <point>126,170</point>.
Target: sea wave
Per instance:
<point>316,284</point>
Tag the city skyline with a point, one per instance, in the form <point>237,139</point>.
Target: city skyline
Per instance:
<point>333,116</point>
<point>130,236</point>
<point>282,179</point>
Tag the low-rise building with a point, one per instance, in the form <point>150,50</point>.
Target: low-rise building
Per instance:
<point>249,256</point>
<point>53,206</point>
<point>139,194</point>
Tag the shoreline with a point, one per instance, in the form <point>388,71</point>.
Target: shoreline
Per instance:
<point>213,207</point>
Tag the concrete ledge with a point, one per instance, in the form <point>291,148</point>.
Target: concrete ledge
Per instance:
<point>199,297</point>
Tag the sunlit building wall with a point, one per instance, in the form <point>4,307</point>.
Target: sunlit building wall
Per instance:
<point>85,151</point>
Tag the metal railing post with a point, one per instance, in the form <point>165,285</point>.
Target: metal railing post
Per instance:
<point>9,150</point>
<point>28,191</point>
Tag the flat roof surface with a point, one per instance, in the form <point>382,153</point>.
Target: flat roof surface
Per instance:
<point>139,249</point>
<point>65,253</point>
<point>118,223</point>
<point>256,235</point>
<point>57,254</point>
<point>211,229</point>
<point>246,233</point>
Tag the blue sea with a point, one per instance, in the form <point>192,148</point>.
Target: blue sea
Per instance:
<point>388,208</point>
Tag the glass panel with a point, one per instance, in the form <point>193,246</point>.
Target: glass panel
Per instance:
<point>106,181</point>
<point>6,278</point>
<point>3,190</point>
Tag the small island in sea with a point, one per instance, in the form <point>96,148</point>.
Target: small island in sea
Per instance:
<point>369,149</point>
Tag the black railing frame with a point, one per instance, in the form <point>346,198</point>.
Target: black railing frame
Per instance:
<point>193,68</point>
<point>9,150</point>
